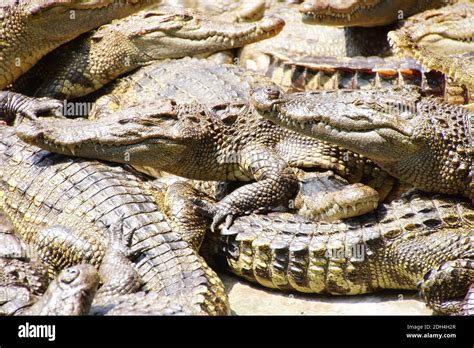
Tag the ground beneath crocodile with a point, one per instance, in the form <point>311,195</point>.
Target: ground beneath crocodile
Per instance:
<point>250,299</point>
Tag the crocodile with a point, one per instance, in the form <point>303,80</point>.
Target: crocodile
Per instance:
<point>71,293</point>
<point>441,40</point>
<point>331,73</point>
<point>420,140</point>
<point>65,210</point>
<point>21,282</point>
<point>310,57</point>
<point>301,40</point>
<point>364,13</point>
<point>421,241</point>
<point>31,29</point>
<point>94,59</point>
<point>228,10</point>
<point>76,290</point>
<point>23,278</point>
<point>224,142</point>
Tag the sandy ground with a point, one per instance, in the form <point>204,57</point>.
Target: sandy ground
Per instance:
<point>251,299</point>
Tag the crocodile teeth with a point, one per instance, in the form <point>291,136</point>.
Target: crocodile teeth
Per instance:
<point>72,149</point>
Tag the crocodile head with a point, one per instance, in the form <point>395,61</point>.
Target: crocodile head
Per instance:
<point>440,40</point>
<point>30,29</point>
<point>175,32</point>
<point>364,13</point>
<point>422,141</point>
<point>71,293</point>
<point>149,134</point>
<point>64,20</point>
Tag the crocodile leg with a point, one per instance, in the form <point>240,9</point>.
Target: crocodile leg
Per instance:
<point>445,287</point>
<point>15,106</point>
<point>61,247</point>
<point>182,214</point>
<point>276,184</point>
<point>117,272</point>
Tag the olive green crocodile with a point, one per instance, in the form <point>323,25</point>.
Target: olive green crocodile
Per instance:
<point>418,242</point>
<point>66,210</point>
<point>206,132</point>
<point>94,59</point>
<point>366,13</point>
<point>441,40</point>
<point>298,40</point>
<point>420,140</point>
<point>31,29</point>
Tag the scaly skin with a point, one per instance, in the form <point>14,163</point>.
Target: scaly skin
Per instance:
<point>142,303</point>
<point>21,283</point>
<point>186,80</point>
<point>228,10</point>
<point>39,189</point>
<point>298,40</point>
<point>222,146</point>
<point>15,106</point>
<point>321,73</point>
<point>91,61</point>
<point>71,293</point>
<point>227,142</point>
<point>419,241</point>
<point>421,141</point>
<point>22,277</point>
<point>468,307</point>
<point>31,29</point>
<point>309,57</point>
<point>74,290</point>
<point>441,40</point>
<point>364,13</point>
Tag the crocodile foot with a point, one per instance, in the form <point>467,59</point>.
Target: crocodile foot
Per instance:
<point>116,271</point>
<point>220,213</point>
<point>445,287</point>
<point>15,106</point>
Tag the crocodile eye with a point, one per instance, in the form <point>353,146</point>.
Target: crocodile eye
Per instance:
<point>69,275</point>
<point>272,93</point>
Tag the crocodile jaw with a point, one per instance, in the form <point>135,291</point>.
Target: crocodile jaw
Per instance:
<point>133,144</point>
<point>42,26</point>
<point>441,40</point>
<point>202,35</point>
<point>351,12</point>
<point>357,128</point>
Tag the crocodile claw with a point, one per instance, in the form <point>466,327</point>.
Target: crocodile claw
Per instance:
<point>218,213</point>
<point>42,106</point>
<point>222,217</point>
